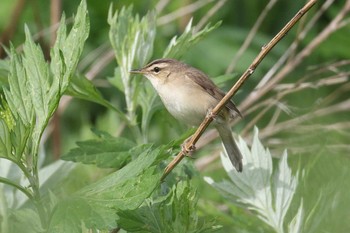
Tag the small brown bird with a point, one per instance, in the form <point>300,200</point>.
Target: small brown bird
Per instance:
<point>189,94</point>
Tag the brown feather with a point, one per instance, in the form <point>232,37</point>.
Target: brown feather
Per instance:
<point>208,85</point>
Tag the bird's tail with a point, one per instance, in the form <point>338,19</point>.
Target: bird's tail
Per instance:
<point>230,146</point>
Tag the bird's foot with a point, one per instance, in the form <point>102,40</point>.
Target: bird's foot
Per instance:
<point>188,151</point>
<point>210,114</point>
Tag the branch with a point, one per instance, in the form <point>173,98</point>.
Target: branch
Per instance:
<point>322,36</point>
<point>292,48</point>
<point>290,124</point>
<point>265,50</point>
<point>9,182</point>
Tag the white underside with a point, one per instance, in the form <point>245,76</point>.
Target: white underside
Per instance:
<point>186,101</point>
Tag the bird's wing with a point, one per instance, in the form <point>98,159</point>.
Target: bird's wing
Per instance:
<point>208,85</point>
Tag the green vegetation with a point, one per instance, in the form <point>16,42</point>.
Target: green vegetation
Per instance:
<point>83,144</point>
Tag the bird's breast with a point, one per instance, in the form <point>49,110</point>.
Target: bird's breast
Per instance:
<point>187,102</point>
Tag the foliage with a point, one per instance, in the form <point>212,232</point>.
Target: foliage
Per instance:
<point>131,52</point>
<point>175,212</point>
<point>31,99</point>
<point>270,195</point>
<point>106,151</point>
<point>97,204</point>
<point>109,181</point>
<point>178,46</point>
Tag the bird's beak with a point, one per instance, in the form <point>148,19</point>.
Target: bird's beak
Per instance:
<point>138,71</point>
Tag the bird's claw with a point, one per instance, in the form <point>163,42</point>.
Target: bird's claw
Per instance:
<point>188,151</point>
<point>210,114</point>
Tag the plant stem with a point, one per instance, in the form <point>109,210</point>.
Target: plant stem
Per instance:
<point>34,182</point>
<point>17,186</point>
<point>4,226</point>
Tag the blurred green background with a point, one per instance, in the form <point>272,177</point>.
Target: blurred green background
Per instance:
<point>313,121</point>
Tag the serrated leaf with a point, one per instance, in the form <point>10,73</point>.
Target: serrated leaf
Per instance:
<point>67,49</point>
<point>17,96</point>
<point>125,26</point>
<point>283,181</point>
<point>42,88</point>
<point>52,174</point>
<point>33,93</point>
<point>179,46</point>
<point>82,88</point>
<point>176,212</point>
<point>19,138</point>
<point>5,143</point>
<point>295,226</point>
<point>131,53</point>
<point>107,152</point>
<point>255,187</point>
<point>70,213</point>
<point>97,204</point>
<point>6,114</point>
<point>32,96</point>
<point>125,188</point>
<point>25,220</point>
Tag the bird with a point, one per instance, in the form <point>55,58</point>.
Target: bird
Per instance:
<point>189,95</point>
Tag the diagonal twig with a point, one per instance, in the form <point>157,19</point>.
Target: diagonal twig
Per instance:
<point>209,118</point>
<point>333,26</point>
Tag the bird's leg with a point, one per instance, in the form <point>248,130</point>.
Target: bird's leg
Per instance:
<point>217,118</point>
<point>210,114</point>
<point>188,151</point>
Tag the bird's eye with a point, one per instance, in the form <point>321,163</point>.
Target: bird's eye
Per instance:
<point>156,69</point>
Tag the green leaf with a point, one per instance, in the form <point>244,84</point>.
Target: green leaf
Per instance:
<point>97,204</point>
<point>42,88</point>
<point>131,53</point>
<point>67,49</point>
<point>5,143</point>
<point>81,87</point>
<point>175,212</point>
<point>19,138</point>
<point>128,187</point>
<point>257,188</point>
<point>17,96</point>
<point>179,46</point>
<point>25,220</point>
<point>125,26</point>
<point>150,103</point>
<point>116,80</point>
<point>295,226</point>
<point>32,97</point>
<point>70,213</point>
<point>107,152</point>
<point>284,187</point>
<point>33,93</point>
